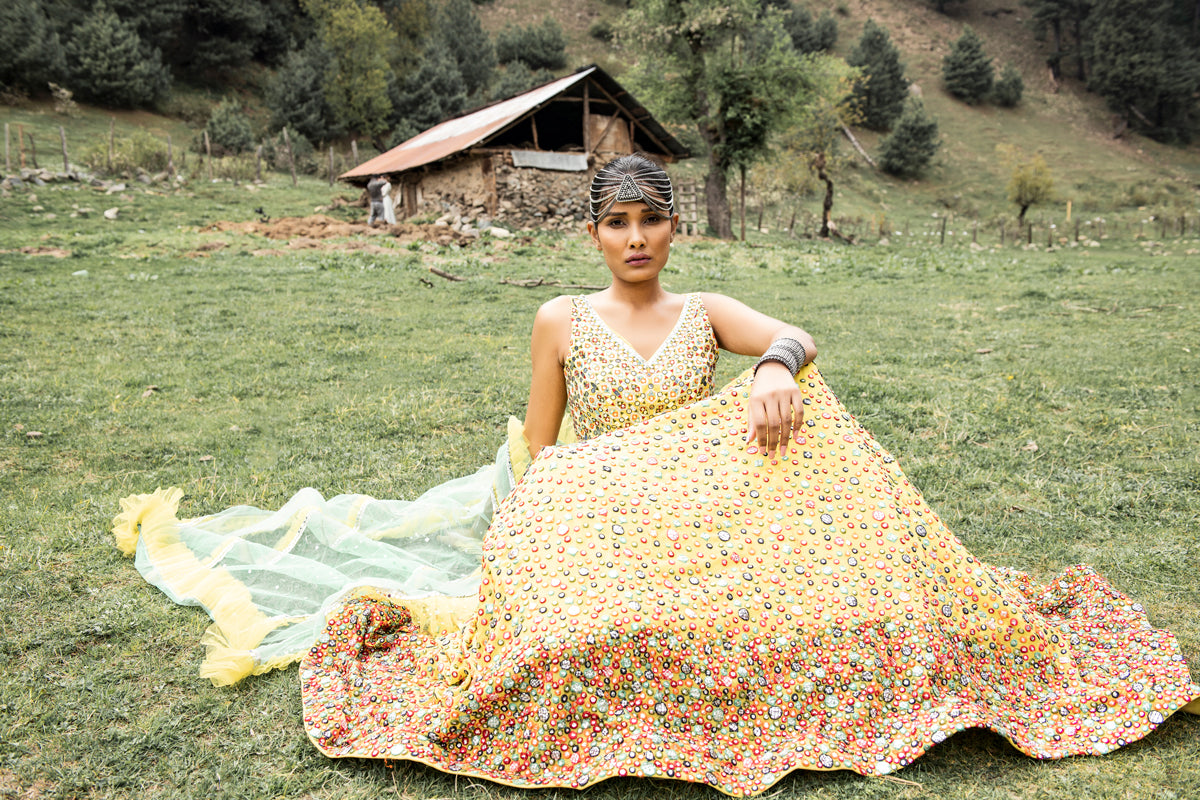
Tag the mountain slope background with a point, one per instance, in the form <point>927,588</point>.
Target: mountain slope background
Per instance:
<point>1125,180</point>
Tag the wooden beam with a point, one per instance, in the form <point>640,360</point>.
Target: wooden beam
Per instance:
<point>533,124</point>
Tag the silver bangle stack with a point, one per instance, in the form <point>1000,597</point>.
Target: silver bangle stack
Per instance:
<point>786,351</point>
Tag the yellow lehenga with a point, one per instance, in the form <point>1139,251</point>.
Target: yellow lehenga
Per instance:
<point>662,600</point>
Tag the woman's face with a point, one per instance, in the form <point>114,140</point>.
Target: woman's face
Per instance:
<point>635,240</point>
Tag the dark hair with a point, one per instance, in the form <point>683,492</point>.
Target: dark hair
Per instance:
<point>632,177</point>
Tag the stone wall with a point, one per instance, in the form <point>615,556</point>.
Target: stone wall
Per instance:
<point>489,191</point>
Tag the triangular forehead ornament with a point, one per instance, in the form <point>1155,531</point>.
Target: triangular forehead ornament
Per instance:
<point>629,190</point>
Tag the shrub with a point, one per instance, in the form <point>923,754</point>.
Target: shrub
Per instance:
<point>138,151</point>
<point>1009,88</point>
<point>539,46</point>
<point>601,30</point>
<point>275,152</point>
<point>229,129</point>
<point>912,144</point>
<point>967,70</point>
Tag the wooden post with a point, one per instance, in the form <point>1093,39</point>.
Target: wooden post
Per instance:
<point>258,164</point>
<point>943,240</point>
<point>792,225</point>
<point>762,207</point>
<point>170,157</point>
<point>33,151</point>
<point>533,125</point>
<point>1002,234</point>
<point>7,158</point>
<point>975,233</point>
<point>587,117</point>
<point>331,165</point>
<point>354,152</point>
<point>1029,234</point>
<point>1077,229</point>
<point>112,125</point>
<point>1049,236</point>
<point>62,134</point>
<point>287,142</point>
<point>208,154</point>
<point>20,146</point>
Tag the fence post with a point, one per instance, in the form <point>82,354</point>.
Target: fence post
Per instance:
<point>1029,234</point>
<point>792,225</point>
<point>1077,229</point>
<point>33,151</point>
<point>258,164</point>
<point>20,146</point>
<point>208,153</point>
<point>331,166</point>
<point>7,159</point>
<point>943,239</point>
<point>170,158</point>
<point>1002,233</point>
<point>62,134</point>
<point>112,124</point>
<point>287,141</point>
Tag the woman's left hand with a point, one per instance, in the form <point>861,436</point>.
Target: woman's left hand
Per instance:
<point>776,409</point>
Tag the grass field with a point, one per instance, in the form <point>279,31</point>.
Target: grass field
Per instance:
<point>1047,403</point>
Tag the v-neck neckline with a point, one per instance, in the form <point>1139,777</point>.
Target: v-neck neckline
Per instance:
<point>627,344</point>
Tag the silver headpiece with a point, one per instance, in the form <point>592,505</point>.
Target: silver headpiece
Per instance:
<point>629,179</point>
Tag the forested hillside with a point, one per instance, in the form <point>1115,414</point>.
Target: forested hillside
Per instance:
<point>938,95</point>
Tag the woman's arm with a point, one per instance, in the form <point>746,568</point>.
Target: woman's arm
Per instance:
<point>548,386</point>
<point>776,404</point>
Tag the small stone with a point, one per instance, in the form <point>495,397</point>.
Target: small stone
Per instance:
<point>111,213</point>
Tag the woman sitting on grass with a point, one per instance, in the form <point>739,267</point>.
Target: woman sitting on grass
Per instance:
<point>719,588</point>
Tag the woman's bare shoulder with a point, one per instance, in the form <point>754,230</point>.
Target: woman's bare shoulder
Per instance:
<point>555,312</point>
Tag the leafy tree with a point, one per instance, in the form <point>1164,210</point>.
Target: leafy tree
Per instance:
<point>413,22</point>
<point>296,97</point>
<point>967,70</point>
<point>466,40</point>
<point>880,92</point>
<point>725,66</point>
<point>433,93</point>
<point>540,46</point>
<point>516,78</point>
<point>356,82</point>
<point>809,35</point>
<point>912,144</point>
<point>1009,87</point>
<point>229,129</point>
<point>1143,68</point>
<point>30,54</point>
<point>1029,184</point>
<point>109,65</point>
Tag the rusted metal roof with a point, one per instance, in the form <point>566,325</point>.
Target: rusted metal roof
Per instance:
<point>475,129</point>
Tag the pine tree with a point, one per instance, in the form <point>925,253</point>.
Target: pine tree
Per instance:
<point>809,35</point>
<point>109,65</point>
<point>540,46</point>
<point>1142,67</point>
<point>967,70</point>
<point>880,92</point>
<point>29,47</point>
<point>433,93</point>
<point>468,43</point>
<point>296,97</point>
<point>1010,87</point>
<point>220,34</point>
<point>912,144</point>
<point>516,78</point>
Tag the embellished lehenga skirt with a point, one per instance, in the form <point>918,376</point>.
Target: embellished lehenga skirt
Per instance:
<point>665,601</point>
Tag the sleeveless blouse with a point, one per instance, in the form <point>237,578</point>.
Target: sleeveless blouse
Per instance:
<point>611,386</point>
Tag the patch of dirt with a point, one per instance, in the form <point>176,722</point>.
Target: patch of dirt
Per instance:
<point>53,252</point>
<point>308,233</point>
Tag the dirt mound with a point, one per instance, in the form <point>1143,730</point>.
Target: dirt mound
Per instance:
<point>319,226</point>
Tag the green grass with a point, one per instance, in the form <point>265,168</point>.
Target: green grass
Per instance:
<point>347,372</point>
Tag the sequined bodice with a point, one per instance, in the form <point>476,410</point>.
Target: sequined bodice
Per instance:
<point>610,385</point>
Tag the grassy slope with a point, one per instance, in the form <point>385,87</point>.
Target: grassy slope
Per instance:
<point>1069,127</point>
